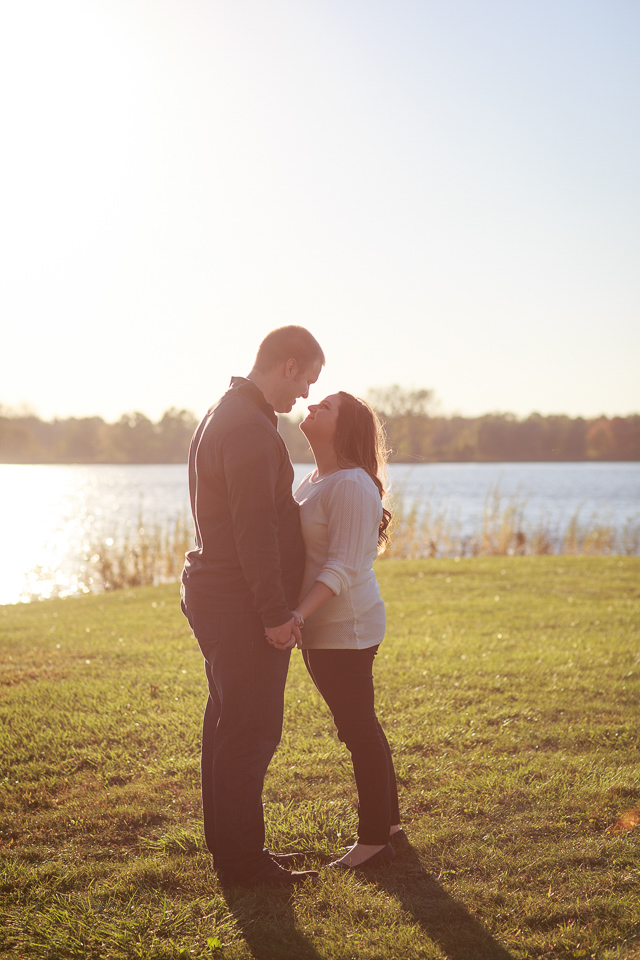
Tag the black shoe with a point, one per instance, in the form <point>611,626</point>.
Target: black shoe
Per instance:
<point>399,835</point>
<point>386,854</point>
<point>275,876</point>
<point>287,859</point>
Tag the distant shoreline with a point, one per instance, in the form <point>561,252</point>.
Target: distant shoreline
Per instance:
<point>413,436</point>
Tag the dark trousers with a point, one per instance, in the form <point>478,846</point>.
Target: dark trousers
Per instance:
<point>345,680</point>
<point>241,730</point>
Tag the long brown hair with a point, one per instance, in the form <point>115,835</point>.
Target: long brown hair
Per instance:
<point>359,441</point>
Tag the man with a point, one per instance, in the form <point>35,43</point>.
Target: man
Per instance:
<point>239,587</point>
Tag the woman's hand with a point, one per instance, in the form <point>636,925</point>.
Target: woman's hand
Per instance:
<point>299,620</point>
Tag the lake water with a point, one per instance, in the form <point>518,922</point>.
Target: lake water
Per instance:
<point>52,517</point>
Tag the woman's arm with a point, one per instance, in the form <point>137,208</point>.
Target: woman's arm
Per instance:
<point>352,514</point>
<point>318,595</point>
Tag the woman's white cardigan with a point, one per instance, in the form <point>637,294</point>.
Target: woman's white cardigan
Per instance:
<point>340,516</point>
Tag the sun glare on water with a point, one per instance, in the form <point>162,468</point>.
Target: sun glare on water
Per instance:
<point>55,526</point>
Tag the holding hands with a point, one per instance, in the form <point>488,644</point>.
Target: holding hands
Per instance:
<point>287,635</point>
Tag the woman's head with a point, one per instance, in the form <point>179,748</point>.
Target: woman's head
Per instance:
<point>356,434</point>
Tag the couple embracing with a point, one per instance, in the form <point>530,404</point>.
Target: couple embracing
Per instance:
<point>272,570</point>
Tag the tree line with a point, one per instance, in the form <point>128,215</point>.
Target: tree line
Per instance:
<point>132,439</point>
<point>414,431</point>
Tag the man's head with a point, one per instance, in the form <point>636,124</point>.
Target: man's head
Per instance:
<point>288,361</point>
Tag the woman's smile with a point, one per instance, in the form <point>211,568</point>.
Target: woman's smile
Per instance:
<point>324,415</point>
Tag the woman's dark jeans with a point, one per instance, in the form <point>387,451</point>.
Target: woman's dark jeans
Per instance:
<point>345,680</point>
<point>241,730</point>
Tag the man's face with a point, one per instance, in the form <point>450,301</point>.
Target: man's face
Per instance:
<point>295,384</point>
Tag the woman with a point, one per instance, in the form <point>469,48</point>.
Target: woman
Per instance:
<point>341,612</point>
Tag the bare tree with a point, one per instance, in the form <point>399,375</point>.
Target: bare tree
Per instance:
<point>394,401</point>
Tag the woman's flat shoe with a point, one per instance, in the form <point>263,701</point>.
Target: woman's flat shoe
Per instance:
<point>387,853</point>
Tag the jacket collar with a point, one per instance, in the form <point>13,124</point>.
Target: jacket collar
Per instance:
<point>248,390</point>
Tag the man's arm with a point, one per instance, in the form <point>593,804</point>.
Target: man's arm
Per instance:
<point>251,464</point>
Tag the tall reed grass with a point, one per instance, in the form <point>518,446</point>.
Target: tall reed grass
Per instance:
<point>147,555</point>
<point>155,554</point>
<point>421,529</point>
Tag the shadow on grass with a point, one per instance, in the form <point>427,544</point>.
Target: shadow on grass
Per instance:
<point>444,920</point>
<point>268,924</point>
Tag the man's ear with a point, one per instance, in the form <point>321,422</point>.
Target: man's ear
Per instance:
<point>291,368</point>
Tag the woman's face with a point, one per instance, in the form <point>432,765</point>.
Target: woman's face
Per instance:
<point>319,426</point>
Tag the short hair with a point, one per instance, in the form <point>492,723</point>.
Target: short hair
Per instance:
<point>288,343</point>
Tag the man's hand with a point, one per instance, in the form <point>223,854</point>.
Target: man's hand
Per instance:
<point>284,637</point>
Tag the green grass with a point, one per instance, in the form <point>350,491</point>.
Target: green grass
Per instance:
<point>509,690</point>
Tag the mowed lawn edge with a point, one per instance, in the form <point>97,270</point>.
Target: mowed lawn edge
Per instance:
<point>509,691</point>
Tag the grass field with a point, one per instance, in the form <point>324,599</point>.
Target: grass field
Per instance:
<point>509,689</point>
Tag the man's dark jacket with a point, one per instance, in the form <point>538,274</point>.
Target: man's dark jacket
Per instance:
<point>249,550</point>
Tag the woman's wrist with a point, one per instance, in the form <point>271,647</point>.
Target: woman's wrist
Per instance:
<point>299,619</point>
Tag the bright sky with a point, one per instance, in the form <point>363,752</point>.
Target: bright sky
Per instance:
<point>445,192</point>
